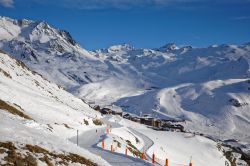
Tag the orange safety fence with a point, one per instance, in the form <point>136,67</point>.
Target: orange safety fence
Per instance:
<point>102,144</point>
<point>142,155</point>
<point>111,148</point>
<point>155,160</point>
<point>168,162</point>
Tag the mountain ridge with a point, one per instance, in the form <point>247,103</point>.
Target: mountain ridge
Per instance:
<point>203,86</point>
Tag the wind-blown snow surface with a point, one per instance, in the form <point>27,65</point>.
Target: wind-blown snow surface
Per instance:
<point>176,146</point>
<point>56,113</point>
<point>208,87</point>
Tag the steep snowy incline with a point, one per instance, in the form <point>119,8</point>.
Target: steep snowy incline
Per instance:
<point>176,146</point>
<point>49,51</point>
<point>92,139</point>
<point>38,116</point>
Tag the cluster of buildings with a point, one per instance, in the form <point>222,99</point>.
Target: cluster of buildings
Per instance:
<point>155,123</point>
<point>152,122</point>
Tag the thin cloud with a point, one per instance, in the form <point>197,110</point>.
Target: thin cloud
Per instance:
<point>241,18</point>
<point>7,3</point>
<point>102,4</point>
<point>113,4</point>
<point>128,4</point>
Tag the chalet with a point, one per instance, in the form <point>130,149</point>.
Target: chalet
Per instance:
<point>146,115</point>
<point>97,108</point>
<point>157,123</point>
<point>147,121</point>
<point>135,119</point>
<point>116,112</point>
<point>106,111</point>
<point>150,121</point>
<point>112,109</point>
<point>177,127</point>
<point>126,116</point>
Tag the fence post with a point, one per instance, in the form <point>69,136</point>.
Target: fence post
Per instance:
<point>102,144</point>
<point>77,137</point>
<point>166,164</point>
<point>153,158</point>
<point>190,164</point>
<point>111,148</point>
<point>142,155</point>
<point>126,151</point>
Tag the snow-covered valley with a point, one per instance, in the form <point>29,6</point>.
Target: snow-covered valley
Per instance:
<point>207,89</point>
<point>39,120</point>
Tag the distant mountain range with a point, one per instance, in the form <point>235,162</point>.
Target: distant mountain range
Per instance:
<point>208,87</point>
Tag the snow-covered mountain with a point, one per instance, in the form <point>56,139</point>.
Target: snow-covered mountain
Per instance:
<point>37,118</point>
<point>207,87</point>
<point>39,123</point>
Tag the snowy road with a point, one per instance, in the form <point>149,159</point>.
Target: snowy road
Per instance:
<point>148,143</point>
<point>89,140</point>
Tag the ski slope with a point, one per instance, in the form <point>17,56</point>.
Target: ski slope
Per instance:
<point>207,87</point>
<point>54,114</point>
<point>177,147</point>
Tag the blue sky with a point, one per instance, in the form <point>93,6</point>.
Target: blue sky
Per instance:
<point>142,23</point>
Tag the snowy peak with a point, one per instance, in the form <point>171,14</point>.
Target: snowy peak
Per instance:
<point>122,47</point>
<point>66,35</point>
<point>38,36</point>
<point>8,28</point>
<point>43,32</point>
<point>43,48</point>
<point>116,49</point>
<point>30,31</point>
<point>24,22</point>
<point>168,47</point>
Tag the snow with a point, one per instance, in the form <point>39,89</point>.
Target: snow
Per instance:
<point>107,91</point>
<point>48,105</point>
<point>92,141</point>
<point>177,147</point>
<point>14,130</point>
<point>122,134</point>
<point>193,84</point>
<point>52,108</point>
<point>8,30</point>
<point>167,145</point>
